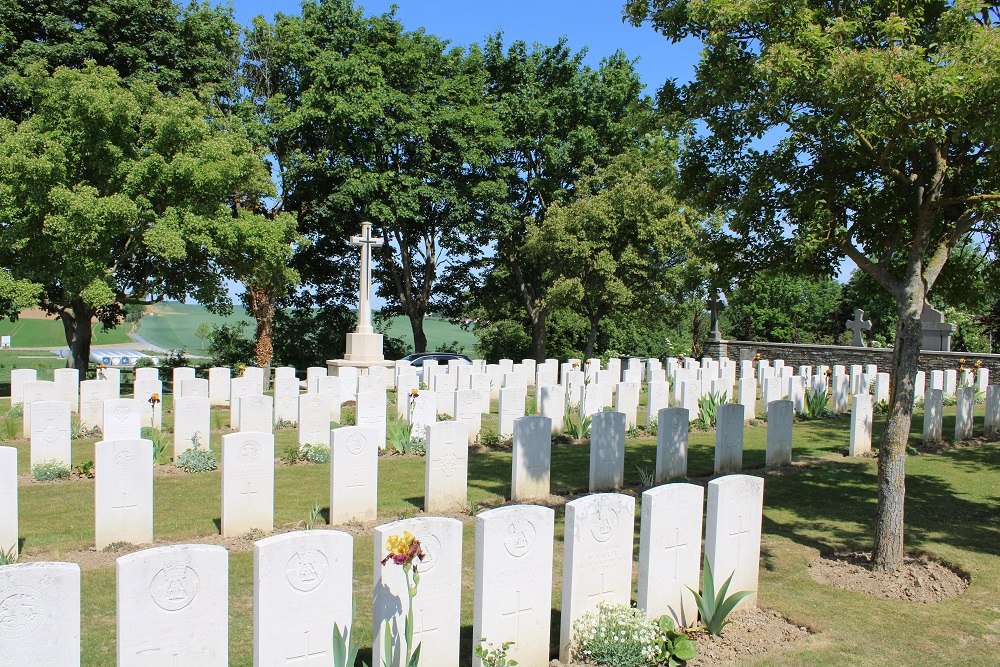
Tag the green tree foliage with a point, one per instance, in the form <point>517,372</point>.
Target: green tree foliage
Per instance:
<point>112,193</point>
<point>861,291</point>
<point>886,150</point>
<point>782,308</point>
<point>561,120</point>
<point>306,337</point>
<point>621,244</point>
<point>370,122</point>
<point>176,48</point>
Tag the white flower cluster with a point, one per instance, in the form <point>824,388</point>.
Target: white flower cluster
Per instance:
<point>616,635</point>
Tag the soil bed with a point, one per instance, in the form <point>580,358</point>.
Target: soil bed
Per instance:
<point>920,579</point>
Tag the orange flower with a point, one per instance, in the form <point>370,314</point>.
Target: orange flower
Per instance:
<point>154,399</point>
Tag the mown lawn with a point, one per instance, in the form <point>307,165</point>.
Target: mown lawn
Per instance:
<point>824,503</point>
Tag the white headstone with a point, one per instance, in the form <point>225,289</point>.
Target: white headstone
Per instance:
<point>256,375</point>
<point>314,418</point>
<point>192,423</point>
<point>779,434</point>
<point>348,383</point>
<point>330,384</point>
<point>313,374</point>
<point>991,422</point>
<point>437,608</point>
<point>173,606</point>
<point>671,444</point>
<point>151,412</point>
<point>607,451</point>
<point>194,387</point>
<point>950,382</point>
<point>247,482</point>
<point>513,581</point>
<point>147,373</point>
<point>919,386</point>
<point>841,393</point>
<point>933,413</point>
<point>467,411</point>
<point>670,551</point>
<point>123,492</point>
<point>405,384</point>
<point>50,434</point>
<point>218,385</point>
<point>597,561</point>
<point>511,407</point>
<point>114,376</point>
<point>627,402</point>
<point>658,397</point>
<point>123,419</point>
<point>353,474</point>
<point>447,467</point>
<point>881,387</point>
<point>180,374</point>
<point>93,393</point>
<point>256,413</point>
<point>36,392</point>
<point>690,394</point>
<point>732,533</point>
<point>480,383</point>
<point>861,425</point>
<point>302,586</point>
<point>286,401</point>
<point>40,614</point>
<point>67,385</point>
<point>9,538</point>
<point>421,412</point>
<point>18,378</point>
<point>532,458</point>
<point>963,413</point>
<point>982,379</point>
<point>729,438</point>
<point>238,388</point>
<point>748,397</point>
<point>371,413</point>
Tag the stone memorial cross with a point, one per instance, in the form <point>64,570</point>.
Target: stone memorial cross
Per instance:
<point>366,241</point>
<point>857,325</point>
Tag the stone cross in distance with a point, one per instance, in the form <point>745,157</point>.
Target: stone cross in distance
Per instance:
<point>366,241</point>
<point>858,324</point>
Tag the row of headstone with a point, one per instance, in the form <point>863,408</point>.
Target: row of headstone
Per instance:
<point>172,602</point>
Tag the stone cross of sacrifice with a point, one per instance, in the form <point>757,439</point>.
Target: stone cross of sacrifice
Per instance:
<point>857,325</point>
<point>366,241</point>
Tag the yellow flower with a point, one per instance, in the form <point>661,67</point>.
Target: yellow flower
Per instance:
<point>414,393</point>
<point>403,550</point>
<point>154,398</point>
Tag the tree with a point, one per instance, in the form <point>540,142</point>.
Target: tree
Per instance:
<point>620,244</point>
<point>175,48</point>
<point>560,120</point>
<point>886,151</point>
<point>782,308</point>
<point>112,194</point>
<point>368,122</point>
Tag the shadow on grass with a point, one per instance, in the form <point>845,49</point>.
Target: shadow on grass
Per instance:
<point>832,506</point>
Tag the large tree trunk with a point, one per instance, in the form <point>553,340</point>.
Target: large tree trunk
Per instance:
<point>76,320</point>
<point>538,317</point>
<point>888,551</point>
<point>591,339</point>
<point>262,303</point>
<point>419,337</point>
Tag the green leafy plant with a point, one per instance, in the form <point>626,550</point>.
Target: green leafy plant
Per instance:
<point>708,409</point>
<point>715,607</point>
<point>881,408</point>
<point>10,556</point>
<point>314,515</point>
<point>159,444</point>
<point>314,452</point>
<point>345,648</point>
<point>49,469</point>
<point>16,411</point>
<point>348,414</point>
<point>675,646</point>
<point>645,476</point>
<point>283,424</point>
<point>11,429</point>
<point>815,403</point>
<point>197,459</point>
<point>289,454</point>
<point>489,438</point>
<point>494,656</point>
<point>575,425</point>
<point>75,428</point>
<point>85,469</point>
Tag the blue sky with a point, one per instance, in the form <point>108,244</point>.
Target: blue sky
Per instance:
<point>592,24</point>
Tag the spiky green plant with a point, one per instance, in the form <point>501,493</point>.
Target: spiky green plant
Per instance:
<point>708,409</point>
<point>715,607</point>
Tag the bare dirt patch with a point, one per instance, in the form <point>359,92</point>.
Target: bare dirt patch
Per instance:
<point>920,579</point>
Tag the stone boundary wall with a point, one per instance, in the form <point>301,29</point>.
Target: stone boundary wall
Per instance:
<point>815,355</point>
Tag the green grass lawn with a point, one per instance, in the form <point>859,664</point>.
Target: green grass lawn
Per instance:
<point>50,333</point>
<point>825,503</point>
<point>439,333</point>
<point>172,325</point>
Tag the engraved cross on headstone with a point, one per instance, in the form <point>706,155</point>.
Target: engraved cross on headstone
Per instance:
<point>740,532</point>
<point>674,550</point>
<point>307,657</point>
<point>366,241</point>
<point>517,612</point>
<point>857,325</point>
<point>124,507</point>
<point>605,590</point>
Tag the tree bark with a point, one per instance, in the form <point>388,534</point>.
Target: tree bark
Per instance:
<point>888,549</point>
<point>419,337</point>
<point>538,317</point>
<point>591,340</point>
<point>76,320</point>
<point>262,305</point>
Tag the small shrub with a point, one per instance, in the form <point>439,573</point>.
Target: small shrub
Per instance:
<point>49,469</point>
<point>442,417</point>
<point>494,656</point>
<point>401,440</point>
<point>253,535</point>
<point>881,408</point>
<point>10,429</point>
<point>646,477</point>
<point>489,438</point>
<point>624,637</point>
<point>314,515</point>
<point>8,557</point>
<point>197,459</point>
<point>575,425</point>
<point>115,547</point>
<point>815,404</point>
<point>348,414</point>
<point>289,454</point>
<point>947,399</point>
<point>16,411</point>
<point>85,469</point>
<point>708,409</point>
<point>315,453</point>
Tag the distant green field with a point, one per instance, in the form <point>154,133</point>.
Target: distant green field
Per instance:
<point>172,325</point>
<point>439,332</point>
<point>50,333</point>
